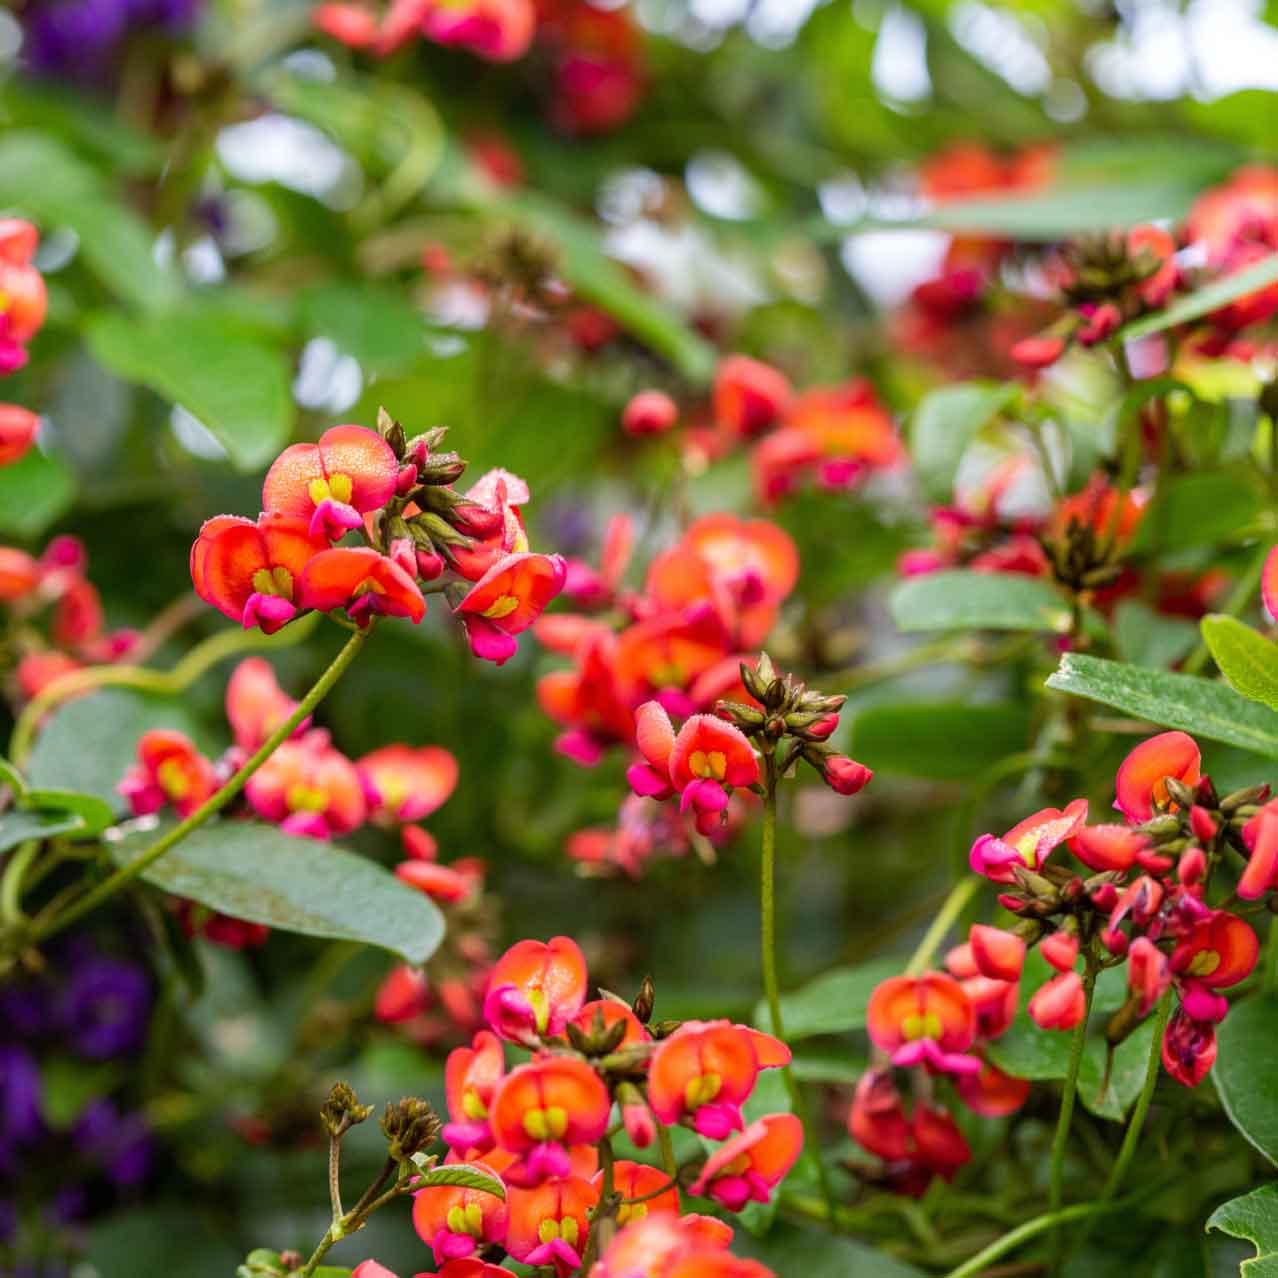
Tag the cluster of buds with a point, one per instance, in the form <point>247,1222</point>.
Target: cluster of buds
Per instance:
<point>793,722</point>
<point>542,1125</point>
<point>397,495</point>
<point>307,787</point>
<point>1145,901</point>
<point>56,619</point>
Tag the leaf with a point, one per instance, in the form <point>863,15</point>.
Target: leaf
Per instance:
<point>33,493</point>
<point>95,815</point>
<point>1253,1217</point>
<point>379,328</point>
<point>1201,509</point>
<point>256,872</point>
<point>831,1004</point>
<point>17,826</point>
<point>1248,660</point>
<point>1198,706</point>
<point>1244,1073</point>
<point>88,744</point>
<point>233,383</point>
<point>945,423</point>
<point>1147,638</point>
<point>978,601</point>
<point>942,740</point>
<point>814,1253</point>
<point>468,1176</point>
<point>1205,300</point>
<point>12,778</point>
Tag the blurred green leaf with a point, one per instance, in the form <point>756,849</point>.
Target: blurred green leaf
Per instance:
<point>945,741</point>
<point>20,825</point>
<point>94,815</point>
<point>833,1003</point>
<point>380,328</point>
<point>235,385</point>
<point>1197,706</point>
<point>1202,509</point>
<point>1245,1078</point>
<point>1254,1217</point>
<point>945,423</point>
<point>978,601</point>
<point>1147,638</point>
<point>814,1253</point>
<point>1248,660</point>
<point>258,873</point>
<point>1210,297</point>
<point>33,493</point>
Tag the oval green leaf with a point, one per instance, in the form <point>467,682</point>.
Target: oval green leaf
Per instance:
<point>1247,660</point>
<point>832,1003</point>
<point>1253,1217</point>
<point>978,601</point>
<point>468,1176</point>
<point>1244,1073</point>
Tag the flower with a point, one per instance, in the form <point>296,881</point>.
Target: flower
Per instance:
<point>308,788</point>
<point>923,1020</point>
<point>506,600</point>
<point>638,1180</point>
<point>749,395</point>
<point>1188,1048</point>
<point>704,1072</point>
<point>404,784</point>
<point>103,1005</point>
<point>1217,951</point>
<point>454,1221</point>
<point>256,705</point>
<point>250,571</point>
<point>471,1077</point>
<point>1027,843</point>
<point>998,955</point>
<point>18,429</point>
<point>1059,1003</point>
<point>542,1108</point>
<point>750,1165</point>
<point>549,1224</point>
<point>1140,782</point>
<point>330,485</point>
<point>22,294</point>
<point>665,1245</point>
<point>650,412</point>
<point>170,769</point>
<point>535,989</point>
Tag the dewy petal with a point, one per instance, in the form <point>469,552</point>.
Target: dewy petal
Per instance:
<point>333,577</point>
<point>654,735</point>
<point>1139,781</point>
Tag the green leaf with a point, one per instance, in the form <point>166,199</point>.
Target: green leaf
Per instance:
<point>1248,660</point>
<point>1026,1051</point>
<point>1203,508</point>
<point>1253,1217</point>
<point>95,815</point>
<point>1244,1073</point>
<point>11,777</point>
<point>1147,638</point>
<point>831,1004</point>
<point>814,1253</point>
<point>17,826</point>
<point>945,423</point>
<point>1207,299</point>
<point>33,493</point>
<point>945,741</point>
<point>380,328</point>
<point>978,601</point>
<point>233,383</point>
<point>88,744</point>
<point>258,873</point>
<point>468,1176</point>
<point>1197,706</point>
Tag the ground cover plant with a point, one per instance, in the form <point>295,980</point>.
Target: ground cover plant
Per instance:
<point>637,640</point>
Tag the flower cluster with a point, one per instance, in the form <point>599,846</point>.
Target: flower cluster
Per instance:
<point>22,308</point>
<point>833,437</point>
<point>57,616</point>
<point>307,787</point>
<point>1142,898</point>
<point>542,1124</point>
<point>398,496</point>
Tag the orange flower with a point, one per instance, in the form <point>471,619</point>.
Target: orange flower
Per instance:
<point>639,1180</point>
<point>454,1222</point>
<point>18,429</point>
<point>991,1093</point>
<point>250,571</point>
<point>1108,847</point>
<point>471,1078</point>
<point>705,1070</point>
<point>19,574</point>
<point>749,395</point>
<point>664,1245</point>
<point>923,1020</point>
<point>1027,843</point>
<point>1112,515</point>
<point>331,484</point>
<point>550,1223</point>
<point>404,783</point>
<point>541,1109</point>
<point>22,294</point>
<point>308,788</point>
<point>535,989</point>
<point>1219,951</point>
<point>611,1013</point>
<point>362,582</point>
<point>1140,783</point>
<point>506,600</point>
<point>169,770</point>
<point>663,655</point>
<point>750,1165</point>
<point>998,955</point>
<point>256,705</point>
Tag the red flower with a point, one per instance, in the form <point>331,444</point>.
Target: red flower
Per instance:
<point>749,395</point>
<point>1218,951</point>
<point>506,600</point>
<point>169,770</point>
<point>998,955</point>
<point>923,1020</point>
<point>471,1078</point>
<point>250,571</point>
<point>19,574</point>
<point>1060,1003</point>
<point>308,788</point>
<point>256,705</point>
<point>362,582</point>
<point>650,412</point>
<point>332,484</point>
<point>549,1224</point>
<point>750,1165</point>
<point>664,1245</point>
<point>1189,1048</point>
<point>404,783</point>
<point>1027,843</point>
<point>1140,782</point>
<point>454,1221</point>
<point>18,429</point>
<point>638,1180</point>
<point>534,990</point>
<point>22,294</point>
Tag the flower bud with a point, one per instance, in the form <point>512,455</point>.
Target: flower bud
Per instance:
<point>437,530</point>
<point>749,395</point>
<point>998,955</point>
<point>342,1110</point>
<point>409,1126</point>
<point>393,433</point>
<point>650,412</point>
<point>1192,868</point>
<point>1060,950</point>
<point>844,775</point>
<point>1244,798</point>
<point>441,468</point>
<point>18,429</point>
<point>644,1001</point>
<point>1202,824</point>
<point>430,564</point>
<point>1060,1004</point>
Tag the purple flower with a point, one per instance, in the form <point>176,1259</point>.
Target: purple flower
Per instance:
<point>20,1098</point>
<point>104,1006</point>
<point>80,37</point>
<point>117,1143</point>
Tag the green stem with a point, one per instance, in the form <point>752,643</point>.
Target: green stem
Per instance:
<point>1067,1108</point>
<point>203,657</point>
<point>214,804</point>
<point>1131,1138</point>
<point>771,988</point>
<point>667,1150</point>
<point>11,885</point>
<point>960,894</point>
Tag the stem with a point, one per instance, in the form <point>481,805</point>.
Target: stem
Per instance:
<point>205,655</point>
<point>667,1151</point>
<point>212,805</point>
<point>334,1175</point>
<point>11,885</point>
<point>960,894</point>
<point>1067,1108</point>
<point>768,935</point>
<point>1131,1138</point>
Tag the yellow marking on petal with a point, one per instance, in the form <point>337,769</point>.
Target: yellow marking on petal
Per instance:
<point>306,798</point>
<point>472,1106</point>
<point>173,779</point>
<point>341,487</point>
<point>569,1230</point>
<point>474,1219</point>
<point>541,1009</point>
<point>535,1124</point>
<point>1204,963</point>
<point>283,581</point>
<point>548,1230</point>
<point>713,764</point>
<point>318,491</point>
<point>456,1220</point>
<point>631,1211</point>
<point>667,676</point>
<point>520,544</point>
<point>502,606</point>
<point>1027,846</point>
<point>740,1164</point>
<point>921,1025</point>
<point>556,1121</point>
